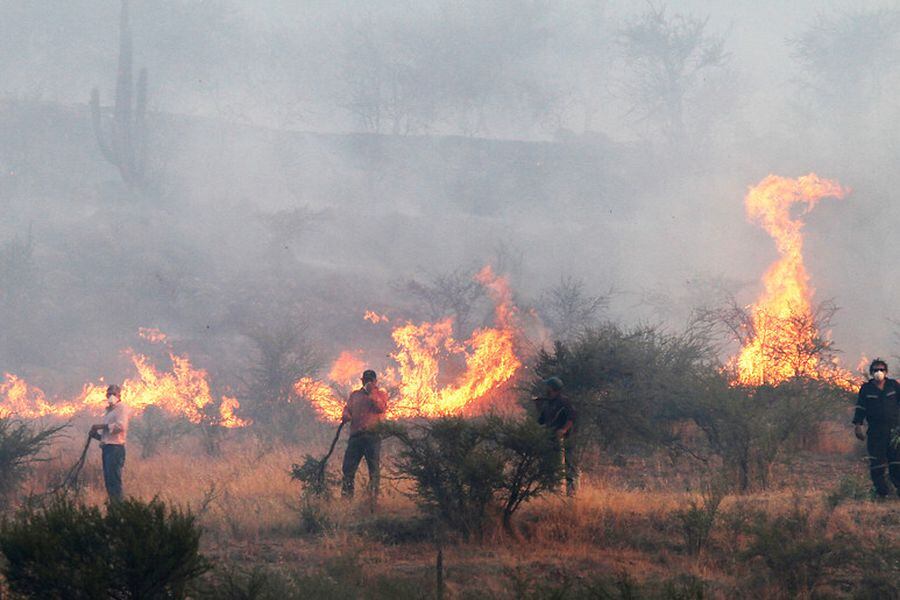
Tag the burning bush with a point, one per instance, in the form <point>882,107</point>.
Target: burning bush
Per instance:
<point>69,550</point>
<point>465,469</point>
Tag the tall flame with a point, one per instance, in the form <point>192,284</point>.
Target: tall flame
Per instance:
<point>421,350</point>
<point>782,318</point>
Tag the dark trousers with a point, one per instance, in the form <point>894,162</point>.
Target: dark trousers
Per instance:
<point>362,445</point>
<point>571,464</point>
<point>884,459</point>
<point>113,463</point>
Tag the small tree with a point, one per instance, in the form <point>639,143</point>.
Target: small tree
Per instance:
<point>568,309</point>
<point>20,445</point>
<point>284,354</point>
<point>72,551</point>
<point>749,428</point>
<point>845,59</point>
<point>453,293</point>
<point>669,57</point>
<point>465,469</point>
<point>155,428</point>
<point>626,383</point>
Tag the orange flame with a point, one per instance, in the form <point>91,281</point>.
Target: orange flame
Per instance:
<point>227,418</point>
<point>152,335</point>
<point>782,317</point>
<point>375,318</point>
<point>184,391</point>
<point>19,398</point>
<point>347,368</point>
<point>323,398</point>
<point>489,357</point>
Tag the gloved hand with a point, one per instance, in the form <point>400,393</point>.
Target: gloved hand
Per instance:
<point>859,433</point>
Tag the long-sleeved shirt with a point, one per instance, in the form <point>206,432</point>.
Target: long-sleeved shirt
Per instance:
<point>879,407</point>
<point>116,421</point>
<point>365,410</point>
<point>554,413</point>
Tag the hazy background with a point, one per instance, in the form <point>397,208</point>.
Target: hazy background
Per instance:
<point>306,161</point>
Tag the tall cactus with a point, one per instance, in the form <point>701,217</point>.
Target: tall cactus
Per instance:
<point>124,146</point>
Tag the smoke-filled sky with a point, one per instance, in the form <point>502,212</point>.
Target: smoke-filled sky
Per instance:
<point>305,159</point>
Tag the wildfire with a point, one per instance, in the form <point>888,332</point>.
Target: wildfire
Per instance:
<point>183,391</point>
<point>784,335</point>
<point>152,335</point>
<point>375,318</point>
<point>421,349</point>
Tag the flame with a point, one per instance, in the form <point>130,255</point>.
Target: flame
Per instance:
<point>323,398</point>
<point>783,318</point>
<point>375,318</point>
<point>152,335</point>
<point>227,418</point>
<point>347,368</point>
<point>183,391</point>
<point>19,398</point>
<point>421,350</point>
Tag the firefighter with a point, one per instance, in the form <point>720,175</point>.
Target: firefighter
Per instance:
<point>112,433</point>
<point>365,409</point>
<point>555,413</point>
<point>877,405</point>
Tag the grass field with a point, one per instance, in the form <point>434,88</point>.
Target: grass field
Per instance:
<point>638,528</point>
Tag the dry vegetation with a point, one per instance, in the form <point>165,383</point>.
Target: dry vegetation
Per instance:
<point>640,527</point>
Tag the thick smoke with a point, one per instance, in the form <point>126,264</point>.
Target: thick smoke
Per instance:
<point>308,161</point>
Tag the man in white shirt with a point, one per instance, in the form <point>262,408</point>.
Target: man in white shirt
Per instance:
<point>112,433</point>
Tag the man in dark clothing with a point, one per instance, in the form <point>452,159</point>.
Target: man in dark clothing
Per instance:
<point>878,405</point>
<point>364,410</point>
<point>555,413</point>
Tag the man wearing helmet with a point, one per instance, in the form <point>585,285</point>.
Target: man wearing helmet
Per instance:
<point>364,410</point>
<point>112,433</point>
<point>877,405</point>
<point>556,414</point>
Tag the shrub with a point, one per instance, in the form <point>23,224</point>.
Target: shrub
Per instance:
<point>855,487</point>
<point>68,550</point>
<point>617,405</point>
<point>798,549</point>
<point>463,469</point>
<point>20,445</point>
<point>155,428</point>
<point>699,518</point>
<point>750,428</point>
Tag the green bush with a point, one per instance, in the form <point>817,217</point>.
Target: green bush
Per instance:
<point>626,382</point>
<point>464,469</point>
<point>67,550</point>
<point>850,488</point>
<point>699,518</point>
<point>798,549</point>
<point>20,445</point>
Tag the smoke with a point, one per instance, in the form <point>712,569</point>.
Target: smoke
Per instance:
<point>305,159</point>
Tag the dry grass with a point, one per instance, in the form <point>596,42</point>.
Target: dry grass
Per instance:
<point>625,520</point>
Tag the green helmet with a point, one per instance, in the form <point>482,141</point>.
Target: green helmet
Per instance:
<point>554,383</point>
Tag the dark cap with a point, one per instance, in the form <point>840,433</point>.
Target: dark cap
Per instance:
<point>114,390</point>
<point>554,383</point>
<point>369,375</point>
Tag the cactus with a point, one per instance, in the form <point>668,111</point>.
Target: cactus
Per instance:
<point>124,145</point>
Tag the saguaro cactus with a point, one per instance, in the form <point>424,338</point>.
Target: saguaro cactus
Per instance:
<point>124,145</point>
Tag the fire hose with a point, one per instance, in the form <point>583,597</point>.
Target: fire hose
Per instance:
<point>70,481</point>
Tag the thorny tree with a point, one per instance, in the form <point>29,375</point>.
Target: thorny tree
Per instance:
<point>669,58</point>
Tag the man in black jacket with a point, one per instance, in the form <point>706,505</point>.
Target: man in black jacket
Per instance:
<point>555,413</point>
<point>878,406</point>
